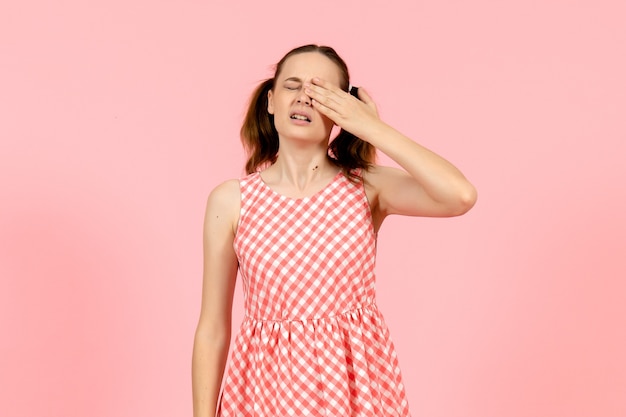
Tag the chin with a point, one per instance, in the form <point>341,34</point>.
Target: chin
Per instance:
<point>300,135</point>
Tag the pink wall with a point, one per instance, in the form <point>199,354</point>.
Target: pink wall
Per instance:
<point>118,117</point>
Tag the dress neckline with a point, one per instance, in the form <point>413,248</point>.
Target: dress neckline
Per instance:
<point>305,198</point>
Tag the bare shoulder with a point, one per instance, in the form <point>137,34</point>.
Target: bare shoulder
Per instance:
<point>226,192</point>
<point>223,203</point>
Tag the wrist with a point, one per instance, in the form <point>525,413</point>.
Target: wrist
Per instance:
<point>375,132</point>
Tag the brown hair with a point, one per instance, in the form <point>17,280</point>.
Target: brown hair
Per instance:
<point>260,138</point>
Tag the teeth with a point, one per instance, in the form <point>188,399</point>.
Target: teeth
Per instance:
<point>299,117</point>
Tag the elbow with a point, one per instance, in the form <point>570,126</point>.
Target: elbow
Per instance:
<point>466,199</point>
<point>214,333</point>
<point>211,343</point>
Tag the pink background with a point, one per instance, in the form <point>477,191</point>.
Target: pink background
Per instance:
<point>117,118</point>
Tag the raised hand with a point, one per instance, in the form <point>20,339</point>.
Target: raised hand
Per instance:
<point>357,116</point>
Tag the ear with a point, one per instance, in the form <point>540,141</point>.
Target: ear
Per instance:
<point>270,102</point>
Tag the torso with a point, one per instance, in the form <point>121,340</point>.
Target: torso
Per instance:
<point>270,180</point>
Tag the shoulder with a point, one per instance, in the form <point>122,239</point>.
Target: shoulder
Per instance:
<point>225,193</point>
<point>224,202</point>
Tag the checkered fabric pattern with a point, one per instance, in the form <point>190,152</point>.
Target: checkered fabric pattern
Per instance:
<point>312,342</point>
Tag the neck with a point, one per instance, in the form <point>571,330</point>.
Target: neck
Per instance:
<point>300,166</point>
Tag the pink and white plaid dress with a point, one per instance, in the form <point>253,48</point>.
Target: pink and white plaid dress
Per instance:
<point>312,342</point>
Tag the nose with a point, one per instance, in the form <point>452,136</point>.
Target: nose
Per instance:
<point>303,98</point>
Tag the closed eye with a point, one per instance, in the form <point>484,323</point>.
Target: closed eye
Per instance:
<point>292,83</point>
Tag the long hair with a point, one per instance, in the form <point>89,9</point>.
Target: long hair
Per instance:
<point>260,138</point>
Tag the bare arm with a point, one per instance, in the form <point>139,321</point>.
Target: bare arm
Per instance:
<point>429,185</point>
<point>212,338</point>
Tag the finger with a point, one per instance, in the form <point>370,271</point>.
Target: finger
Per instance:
<point>367,99</point>
<point>324,85</point>
<point>321,95</point>
<point>326,111</point>
<point>364,96</point>
<point>320,82</point>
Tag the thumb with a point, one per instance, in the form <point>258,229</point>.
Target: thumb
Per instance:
<point>367,99</point>
<point>364,96</point>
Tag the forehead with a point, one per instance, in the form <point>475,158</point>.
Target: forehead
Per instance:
<point>309,65</point>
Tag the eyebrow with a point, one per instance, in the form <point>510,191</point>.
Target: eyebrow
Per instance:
<point>296,79</point>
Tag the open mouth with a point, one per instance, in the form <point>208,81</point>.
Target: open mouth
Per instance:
<point>300,117</point>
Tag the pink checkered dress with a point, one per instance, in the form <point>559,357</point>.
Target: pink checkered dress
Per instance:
<point>312,342</point>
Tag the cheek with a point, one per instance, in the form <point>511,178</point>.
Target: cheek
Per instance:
<point>280,104</point>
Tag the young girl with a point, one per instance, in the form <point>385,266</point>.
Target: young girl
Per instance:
<point>301,230</point>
